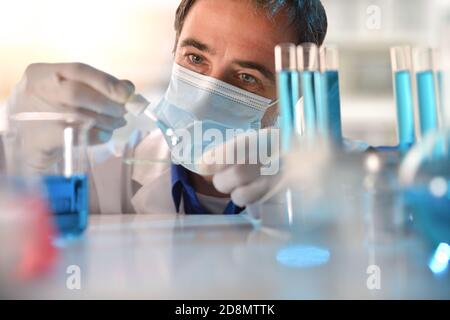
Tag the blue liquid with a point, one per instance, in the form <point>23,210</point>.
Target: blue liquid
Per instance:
<point>288,93</point>
<point>322,103</point>
<point>321,96</point>
<point>68,199</point>
<point>427,101</point>
<point>431,213</point>
<point>405,110</point>
<point>334,106</point>
<point>302,256</point>
<point>308,102</point>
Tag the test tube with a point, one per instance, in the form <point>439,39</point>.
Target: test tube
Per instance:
<point>426,89</point>
<point>445,75</point>
<point>308,64</point>
<point>401,71</point>
<point>444,84</point>
<point>330,58</point>
<point>438,67</point>
<point>288,92</point>
<point>320,94</point>
<point>327,102</point>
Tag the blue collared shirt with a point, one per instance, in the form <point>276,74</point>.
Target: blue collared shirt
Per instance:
<point>183,190</point>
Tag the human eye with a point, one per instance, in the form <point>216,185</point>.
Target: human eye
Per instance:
<point>248,79</point>
<point>195,59</point>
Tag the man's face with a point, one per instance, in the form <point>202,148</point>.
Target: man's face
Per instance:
<point>233,41</point>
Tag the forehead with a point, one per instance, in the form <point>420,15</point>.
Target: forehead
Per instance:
<point>236,28</point>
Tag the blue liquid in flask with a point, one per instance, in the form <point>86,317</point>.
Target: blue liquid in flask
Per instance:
<point>405,109</point>
<point>288,92</point>
<point>431,212</point>
<point>69,203</point>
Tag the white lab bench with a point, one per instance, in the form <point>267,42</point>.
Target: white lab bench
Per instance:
<point>171,256</point>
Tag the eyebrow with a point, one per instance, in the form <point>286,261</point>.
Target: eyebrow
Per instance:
<point>191,42</point>
<point>258,67</point>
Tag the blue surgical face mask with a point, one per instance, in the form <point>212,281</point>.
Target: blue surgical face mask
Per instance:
<point>195,103</point>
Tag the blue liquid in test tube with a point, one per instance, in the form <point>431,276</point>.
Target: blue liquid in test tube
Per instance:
<point>427,101</point>
<point>322,103</point>
<point>321,98</point>
<point>307,80</point>
<point>405,109</point>
<point>334,105</point>
<point>288,87</point>
<point>69,202</point>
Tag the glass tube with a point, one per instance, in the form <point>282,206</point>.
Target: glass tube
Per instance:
<point>442,68</point>
<point>426,89</point>
<point>288,92</point>
<point>331,74</point>
<point>321,94</point>
<point>445,84</point>
<point>445,78</point>
<point>401,72</point>
<point>308,63</point>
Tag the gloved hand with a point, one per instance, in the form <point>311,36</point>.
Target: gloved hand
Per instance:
<point>253,170</point>
<point>75,88</point>
<point>263,181</point>
<point>67,88</point>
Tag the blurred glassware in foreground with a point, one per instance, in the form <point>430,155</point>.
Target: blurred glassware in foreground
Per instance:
<point>426,181</point>
<point>322,183</point>
<point>308,94</point>
<point>425,171</point>
<point>26,233</point>
<point>52,147</point>
<point>386,219</point>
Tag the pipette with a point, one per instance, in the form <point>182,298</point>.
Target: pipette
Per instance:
<point>138,105</point>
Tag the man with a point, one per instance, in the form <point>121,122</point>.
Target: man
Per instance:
<point>229,41</point>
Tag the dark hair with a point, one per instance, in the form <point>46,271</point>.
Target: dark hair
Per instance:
<point>307,17</point>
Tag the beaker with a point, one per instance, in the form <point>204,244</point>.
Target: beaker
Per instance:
<point>52,147</point>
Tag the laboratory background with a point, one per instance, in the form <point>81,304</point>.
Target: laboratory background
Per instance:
<point>139,256</point>
<point>135,40</point>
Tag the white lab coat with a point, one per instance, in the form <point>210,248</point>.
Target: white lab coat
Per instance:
<point>117,187</point>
